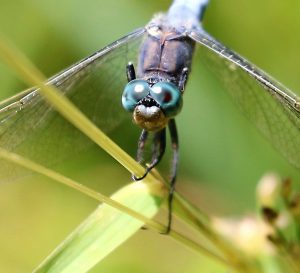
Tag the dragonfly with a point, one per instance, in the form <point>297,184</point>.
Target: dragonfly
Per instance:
<point>145,73</point>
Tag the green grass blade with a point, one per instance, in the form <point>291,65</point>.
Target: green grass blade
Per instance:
<point>155,188</point>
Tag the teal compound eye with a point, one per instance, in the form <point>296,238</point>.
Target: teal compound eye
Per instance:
<point>133,92</point>
<point>168,96</point>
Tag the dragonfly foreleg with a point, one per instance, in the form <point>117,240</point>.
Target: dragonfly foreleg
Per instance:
<point>141,145</point>
<point>159,147</point>
<point>130,72</point>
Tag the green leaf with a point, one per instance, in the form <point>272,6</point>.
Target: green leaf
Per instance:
<point>104,230</point>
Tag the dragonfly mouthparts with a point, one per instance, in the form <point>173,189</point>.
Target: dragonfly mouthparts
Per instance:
<point>149,115</point>
<point>148,101</point>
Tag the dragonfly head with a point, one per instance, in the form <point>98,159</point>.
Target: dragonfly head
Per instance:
<point>153,106</point>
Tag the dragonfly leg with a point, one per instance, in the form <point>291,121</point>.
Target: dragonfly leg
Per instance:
<point>156,146</point>
<point>141,145</point>
<point>140,150</point>
<point>183,78</point>
<point>130,72</point>
<point>159,147</point>
<point>174,140</point>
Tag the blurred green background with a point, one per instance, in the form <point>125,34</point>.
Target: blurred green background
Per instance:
<point>222,157</point>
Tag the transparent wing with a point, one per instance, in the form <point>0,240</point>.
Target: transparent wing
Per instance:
<point>31,127</point>
<point>273,108</point>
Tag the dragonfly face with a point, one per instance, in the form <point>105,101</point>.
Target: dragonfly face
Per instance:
<point>152,107</point>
